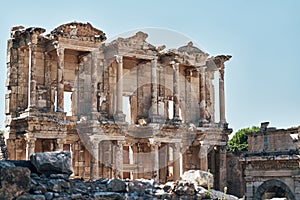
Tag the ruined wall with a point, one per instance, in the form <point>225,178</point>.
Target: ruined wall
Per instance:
<point>267,141</point>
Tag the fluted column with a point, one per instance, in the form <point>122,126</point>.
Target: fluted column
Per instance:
<point>203,157</point>
<point>175,66</point>
<point>176,161</point>
<point>219,61</point>
<point>154,86</point>
<point>94,160</point>
<point>222,96</point>
<point>119,160</point>
<point>94,85</point>
<point>30,147</point>
<point>60,79</point>
<point>155,159</point>
<point>32,77</point>
<point>203,119</point>
<point>119,116</point>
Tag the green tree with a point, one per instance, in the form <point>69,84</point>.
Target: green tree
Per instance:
<point>239,142</point>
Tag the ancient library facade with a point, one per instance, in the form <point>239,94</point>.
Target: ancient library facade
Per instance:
<point>125,108</point>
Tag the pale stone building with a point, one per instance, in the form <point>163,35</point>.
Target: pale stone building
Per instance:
<point>271,165</point>
<point>137,110</point>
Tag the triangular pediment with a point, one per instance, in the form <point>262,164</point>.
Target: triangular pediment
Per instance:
<point>78,30</point>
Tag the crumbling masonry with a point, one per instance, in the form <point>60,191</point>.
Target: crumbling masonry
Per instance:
<point>137,110</point>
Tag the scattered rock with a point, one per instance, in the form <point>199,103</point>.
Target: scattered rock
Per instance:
<point>31,197</point>
<point>136,187</point>
<point>116,185</point>
<point>198,177</point>
<point>107,196</point>
<point>24,163</point>
<point>14,182</point>
<point>6,164</point>
<point>51,181</point>
<point>57,162</point>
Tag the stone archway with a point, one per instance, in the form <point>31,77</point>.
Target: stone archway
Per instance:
<point>273,188</point>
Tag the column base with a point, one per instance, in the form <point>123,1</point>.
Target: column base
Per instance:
<point>223,124</point>
<point>176,121</point>
<point>58,109</point>
<point>94,115</point>
<point>203,122</point>
<point>119,117</point>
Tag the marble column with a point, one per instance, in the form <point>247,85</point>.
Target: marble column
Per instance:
<point>94,160</point>
<point>94,81</point>
<point>175,66</point>
<point>119,160</point>
<point>60,79</point>
<point>60,144</point>
<point>203,157</point>
<point>154,87</point>
<point>155,159</point>
<point>219,61</point>
<point>119,115</point>
<point>222,96</point>
<point>202,92</point>
<point>32,76</point>
<point>30,147</point>
<point>176,161</point>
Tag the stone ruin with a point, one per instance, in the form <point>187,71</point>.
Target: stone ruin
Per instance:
<point>43,179</point>
<point>166,126</point>
<point>271,165</point>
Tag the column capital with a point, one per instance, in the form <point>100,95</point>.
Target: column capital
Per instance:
<point>219,62</point>
<point>61,140</point>
<point>154,59</point>
<point>154,144</point>
<point>30,140</point>
<point>120,143</point>
<point>119,58</point>
<point>202,69</point>
<point>175,65</point>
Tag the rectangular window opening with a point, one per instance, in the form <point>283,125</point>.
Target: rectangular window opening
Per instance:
<point>126,108</point>
<point>68,103</point>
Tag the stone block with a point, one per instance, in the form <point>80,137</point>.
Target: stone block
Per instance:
<point>58,162</point>
<point>200,178</point>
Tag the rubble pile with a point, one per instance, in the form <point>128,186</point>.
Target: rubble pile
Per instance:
<point>30,180</point>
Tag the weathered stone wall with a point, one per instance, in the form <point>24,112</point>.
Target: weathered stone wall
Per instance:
<point>267,141</point>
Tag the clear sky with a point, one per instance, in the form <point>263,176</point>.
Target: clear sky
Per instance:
<point>262,80</point>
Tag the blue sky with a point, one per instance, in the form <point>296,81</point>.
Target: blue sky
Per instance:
<point>262,78</point>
